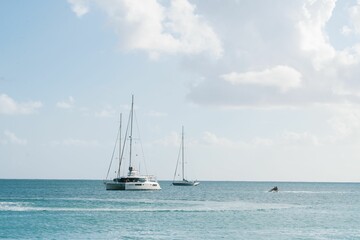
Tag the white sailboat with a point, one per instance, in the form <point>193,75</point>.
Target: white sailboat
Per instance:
<point>133,180</point>
<point>183,182</point>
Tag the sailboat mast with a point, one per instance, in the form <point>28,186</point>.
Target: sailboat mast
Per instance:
<point>118,172</point>
<point>182,144</point>
<point>131,129</point>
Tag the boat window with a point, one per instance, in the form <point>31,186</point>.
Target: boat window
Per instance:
<point>131,179</point>
<point>128,180</point>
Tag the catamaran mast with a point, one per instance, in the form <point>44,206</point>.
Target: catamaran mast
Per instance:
<point>118,172</point>
<point>182,144</point>
<point>131,130</point>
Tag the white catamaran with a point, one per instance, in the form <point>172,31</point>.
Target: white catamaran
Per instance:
<point>182,182</point>
<point>133,180</point>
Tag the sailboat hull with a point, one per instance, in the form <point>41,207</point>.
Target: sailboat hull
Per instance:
<point>186,183</point>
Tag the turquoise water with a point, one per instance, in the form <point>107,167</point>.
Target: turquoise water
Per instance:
<point>76,209</point>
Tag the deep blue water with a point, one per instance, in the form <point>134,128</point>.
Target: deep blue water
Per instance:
<point>77,209</point>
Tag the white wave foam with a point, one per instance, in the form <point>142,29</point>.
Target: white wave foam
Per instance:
<point>316,192</point>
<point>13,206</point>
<point>181,206</point>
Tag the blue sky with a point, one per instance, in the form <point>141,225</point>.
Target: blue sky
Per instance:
<point>266,90</point>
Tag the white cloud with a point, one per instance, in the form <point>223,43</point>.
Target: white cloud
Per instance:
<point>8,106</point>
<point>288,50</point>
<point>196,35</point>
<point>171,140</point>
<point>106,112</point>
<point>347,57</point>
<point>345,120</point>
<point>282,77</point>
<point>288,138</point>
<point>66,104</point>
<point>79,7</point>
<point>298,139</point>
<point>354,13</point>
<point>346,30</point>
<point>313,38</point>
<point>11,138</point>
<point>213,140</point>
<point>158,29</point>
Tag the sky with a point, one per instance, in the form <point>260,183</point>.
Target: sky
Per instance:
<point>266,90</point>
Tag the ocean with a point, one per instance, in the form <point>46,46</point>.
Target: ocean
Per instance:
<point>83,209</point>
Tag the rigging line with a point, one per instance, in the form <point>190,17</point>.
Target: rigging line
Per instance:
<point>112,157</point>
<point>141,146</point>
<point>124,143</point>
<point>177,162</point>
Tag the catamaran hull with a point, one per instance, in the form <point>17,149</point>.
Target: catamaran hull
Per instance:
<point>187,183</point>
<point>115,186</point>
<point>132,186</point>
